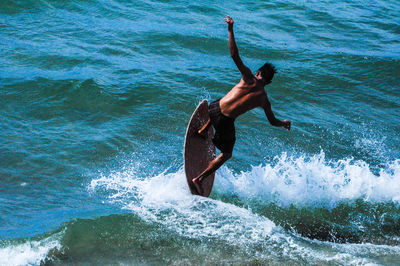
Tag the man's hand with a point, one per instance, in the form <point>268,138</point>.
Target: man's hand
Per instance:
<point>286,124</point>
<point>229,21</point>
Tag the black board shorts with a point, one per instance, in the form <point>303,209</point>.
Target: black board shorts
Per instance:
<point>224,137</point>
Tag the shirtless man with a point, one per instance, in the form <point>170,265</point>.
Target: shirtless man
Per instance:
<point>248,94</point>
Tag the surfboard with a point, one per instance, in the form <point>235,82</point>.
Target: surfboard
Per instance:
<point>198,151</point>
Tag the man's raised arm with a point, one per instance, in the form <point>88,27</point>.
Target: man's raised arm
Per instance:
<point>246,72</point>
<point>271,117</point>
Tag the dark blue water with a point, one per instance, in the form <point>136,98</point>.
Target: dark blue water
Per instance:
<point>95,97</point>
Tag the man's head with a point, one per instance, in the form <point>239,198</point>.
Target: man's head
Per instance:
<point>266,73</point>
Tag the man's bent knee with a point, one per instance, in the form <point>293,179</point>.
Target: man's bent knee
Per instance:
<point>226,156</point>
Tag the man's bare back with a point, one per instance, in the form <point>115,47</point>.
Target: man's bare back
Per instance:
<point>242,98</point>
<point>248,94</point>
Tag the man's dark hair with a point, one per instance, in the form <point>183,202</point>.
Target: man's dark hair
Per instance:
<point>267,71</point>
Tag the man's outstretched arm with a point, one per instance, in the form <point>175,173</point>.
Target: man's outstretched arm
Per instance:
<point>271,117</point>
<point>246,72</point>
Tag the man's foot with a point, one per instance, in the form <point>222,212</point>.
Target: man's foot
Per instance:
<point>202,134</point>
<point>197,184</point>
<point>203,131</point>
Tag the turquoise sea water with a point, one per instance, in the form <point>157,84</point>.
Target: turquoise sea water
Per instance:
<point>95,97</point>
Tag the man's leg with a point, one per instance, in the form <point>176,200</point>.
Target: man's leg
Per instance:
<point>212,167</point>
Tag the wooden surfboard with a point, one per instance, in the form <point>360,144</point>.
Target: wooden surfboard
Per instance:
<point>198,151</point>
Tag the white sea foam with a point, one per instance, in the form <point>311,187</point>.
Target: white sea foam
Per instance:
<point>312,181</point>
<point>28,253</point>
<point>166,199</point>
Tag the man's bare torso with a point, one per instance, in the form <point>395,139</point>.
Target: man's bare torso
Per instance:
<point>242,98</point>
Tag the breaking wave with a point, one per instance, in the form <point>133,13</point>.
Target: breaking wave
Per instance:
<point>292,209</point>
<point>312,182</point>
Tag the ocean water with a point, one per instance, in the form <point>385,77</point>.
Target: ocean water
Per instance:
<point>95,97</point>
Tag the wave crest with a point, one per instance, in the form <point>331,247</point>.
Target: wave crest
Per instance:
<point>312,182</point>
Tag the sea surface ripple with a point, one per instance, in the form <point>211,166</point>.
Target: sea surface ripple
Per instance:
<point>95,97</point>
